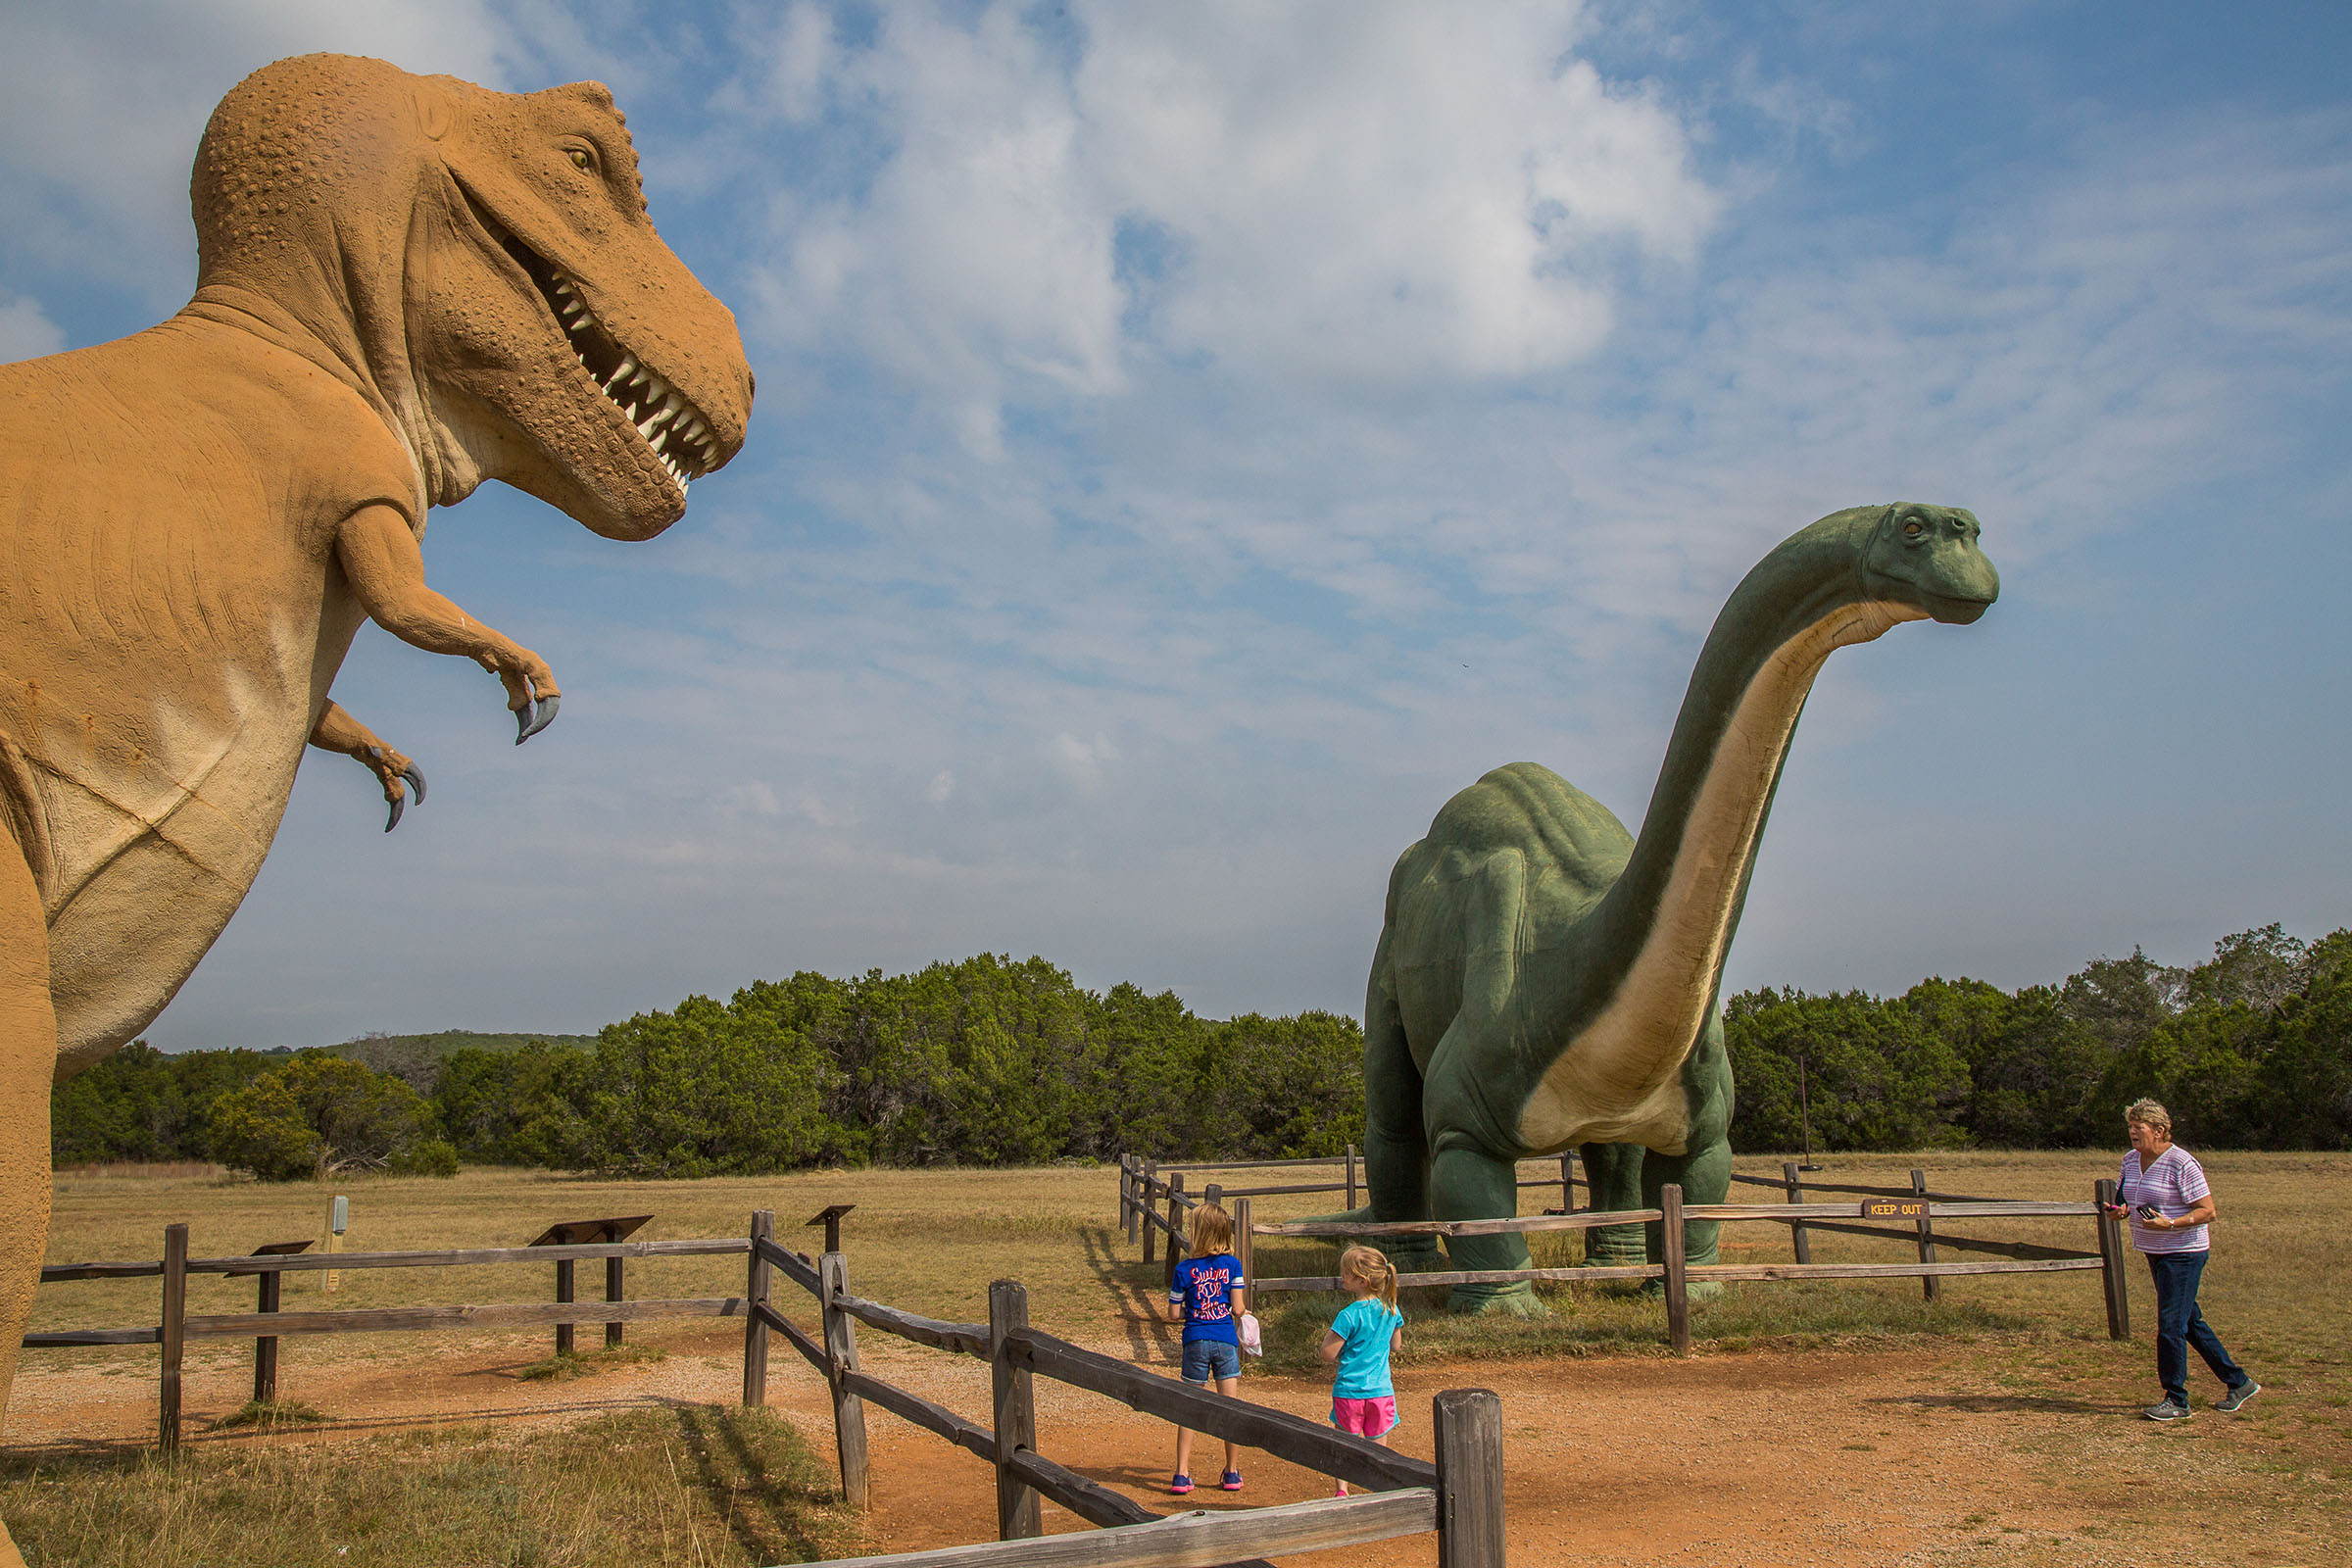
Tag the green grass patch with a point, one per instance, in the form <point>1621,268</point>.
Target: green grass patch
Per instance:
<point>696,1486</point>
<point>266,1414</point>
<point>565,1365</point>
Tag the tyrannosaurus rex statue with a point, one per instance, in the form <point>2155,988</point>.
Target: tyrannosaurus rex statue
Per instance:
<point>1544,981</point>
<point>406,285</point>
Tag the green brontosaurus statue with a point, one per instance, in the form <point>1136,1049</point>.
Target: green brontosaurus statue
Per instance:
<point>1544,981</point>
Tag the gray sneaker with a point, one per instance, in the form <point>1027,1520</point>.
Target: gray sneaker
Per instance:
<point>2235,1398</point>
<point>2166,1410</point>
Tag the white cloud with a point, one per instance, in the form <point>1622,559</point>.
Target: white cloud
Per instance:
<point>27,332</point>
<point>101,106</point>
<point>1328,193</point>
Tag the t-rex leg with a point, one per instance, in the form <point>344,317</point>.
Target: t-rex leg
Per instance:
<point>337,731</point>
<point>1395,1148</point>
<point>28,1064</point>
<point>1613,1173</point>
<point>385,566</point>
<point>1704,1169</point>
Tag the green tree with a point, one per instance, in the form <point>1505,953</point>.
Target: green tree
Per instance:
<point>1878,1076</point>
<point>318,1114</point>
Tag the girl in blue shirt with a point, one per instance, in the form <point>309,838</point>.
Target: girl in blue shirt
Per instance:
<point>1358,1342</point>
<point>1209,1286</point>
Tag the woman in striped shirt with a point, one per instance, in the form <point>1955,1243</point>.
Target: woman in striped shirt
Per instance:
<point>2164,1190</point>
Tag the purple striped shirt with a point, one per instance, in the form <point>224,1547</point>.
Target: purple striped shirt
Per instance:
<point>2175,1183</point>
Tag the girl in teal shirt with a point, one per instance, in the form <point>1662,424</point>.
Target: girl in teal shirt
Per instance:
<point>1358,1342</point>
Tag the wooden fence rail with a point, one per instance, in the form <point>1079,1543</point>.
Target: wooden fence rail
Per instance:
<point>1915,1204</point>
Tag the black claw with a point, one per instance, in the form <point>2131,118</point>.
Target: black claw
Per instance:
<point>393,821</point>
<point>522,723</point>
<point>532,726</point>
<point>415,777</point>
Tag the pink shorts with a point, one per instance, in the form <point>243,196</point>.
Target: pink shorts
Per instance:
<point>1366,1418</point>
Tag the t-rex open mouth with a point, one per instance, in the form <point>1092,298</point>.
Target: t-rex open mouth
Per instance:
<point>666,420</point>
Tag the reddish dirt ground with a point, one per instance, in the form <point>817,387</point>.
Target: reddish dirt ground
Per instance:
<point>1756,1459</point>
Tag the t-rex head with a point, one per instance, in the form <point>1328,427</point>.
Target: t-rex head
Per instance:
<point>482,267</point>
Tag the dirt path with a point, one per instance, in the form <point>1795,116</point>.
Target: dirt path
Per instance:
<point>1763,1458</point>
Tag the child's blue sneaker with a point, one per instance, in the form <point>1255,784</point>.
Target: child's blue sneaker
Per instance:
<point>1179,1485</point>
<point>1232,1481</point>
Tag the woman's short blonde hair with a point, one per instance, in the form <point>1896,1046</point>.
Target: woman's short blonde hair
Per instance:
<point>2150,1115</point>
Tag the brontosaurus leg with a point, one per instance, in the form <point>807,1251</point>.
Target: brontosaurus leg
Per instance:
<point>28,1064</point>
<point>1395,1150</point>
<point>1615,1174</point>
<point>1704,1169</point>
<point>1468,1183</point>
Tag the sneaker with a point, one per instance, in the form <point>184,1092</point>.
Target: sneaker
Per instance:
<point>1179,1485</point>
<point>2166,1410</point>
<point>2235,1398</point>
<point>1232,1481</point>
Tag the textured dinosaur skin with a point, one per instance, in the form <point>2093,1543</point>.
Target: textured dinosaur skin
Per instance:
<point>1544,982</point>
<point>407,285</point>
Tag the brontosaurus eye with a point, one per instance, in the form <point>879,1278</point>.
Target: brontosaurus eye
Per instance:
<point>1914,528</point>
<point>582,158</point>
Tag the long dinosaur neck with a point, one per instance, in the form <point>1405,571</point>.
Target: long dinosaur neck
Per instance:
<point>1657,939</point>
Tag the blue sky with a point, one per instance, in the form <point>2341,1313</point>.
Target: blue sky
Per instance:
<point>1195,441</point>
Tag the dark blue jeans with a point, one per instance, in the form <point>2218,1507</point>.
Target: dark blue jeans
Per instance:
<point>2179,1325</point>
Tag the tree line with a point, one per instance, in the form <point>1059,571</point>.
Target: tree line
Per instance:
<point>995,1062</point>
<point>983,1062</point>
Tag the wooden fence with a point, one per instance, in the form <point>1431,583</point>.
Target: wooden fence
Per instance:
<point>1143,1186</point>
<point>267,1323</point>
<point>1460,1498</point>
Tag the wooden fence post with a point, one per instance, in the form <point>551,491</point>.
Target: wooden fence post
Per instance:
<point>1018,1516</point>
<point>2111,1262</point>
<point>1678,1289</point>
<point>175,1335</point>
<point>1567,1183</point>
<point>1468,1426</point>
<point>1175,1222</point>
<point>1148,1208</point>
<point>841,1355</point>
<point>1126,1196</point>
<point>264,1346</point>
<point>1930,1287</point>
<point>614,1281</point>
<point>565,1290</point>
<point>758,1281</point>
<point>1351,1175</point>
<point>1800,1241</point>
<point>1244,1244</point>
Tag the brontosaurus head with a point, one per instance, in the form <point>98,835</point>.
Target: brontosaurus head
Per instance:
<point>1927,556</point>
<point>480,264</point>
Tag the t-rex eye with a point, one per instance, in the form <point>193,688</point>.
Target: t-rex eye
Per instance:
<point>582,158</point>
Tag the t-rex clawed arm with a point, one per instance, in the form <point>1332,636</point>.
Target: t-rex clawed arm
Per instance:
<point>381,559</point>
<point>337,731</point>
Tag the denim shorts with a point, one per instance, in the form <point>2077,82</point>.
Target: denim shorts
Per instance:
<point>1204,1359</point>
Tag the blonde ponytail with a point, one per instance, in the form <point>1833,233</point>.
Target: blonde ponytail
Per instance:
<point>1371,1266</point>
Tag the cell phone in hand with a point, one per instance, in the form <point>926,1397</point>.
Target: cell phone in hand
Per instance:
<point>2149,1211</point>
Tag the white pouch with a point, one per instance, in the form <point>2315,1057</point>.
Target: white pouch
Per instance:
<point>1251,1342</point>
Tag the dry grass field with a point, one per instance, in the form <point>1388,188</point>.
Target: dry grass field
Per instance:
<point>1996,1423</point>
